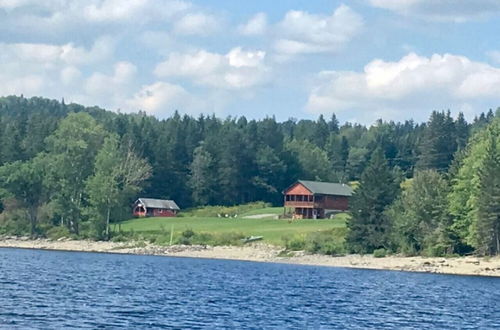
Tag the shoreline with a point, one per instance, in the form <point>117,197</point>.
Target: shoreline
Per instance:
<point>259,252</point>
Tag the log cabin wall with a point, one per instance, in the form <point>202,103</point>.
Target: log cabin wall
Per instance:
<point>334,203</point>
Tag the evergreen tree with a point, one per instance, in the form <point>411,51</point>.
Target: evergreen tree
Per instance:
<point>337,149</point>
<point>320,132</point>
<point>488,203</point>
<point>464,197</point>
<point>333,124</point>
<point>420,216</point>
<point>461,131</point>
<point>369,228</point>
<point>202,181</point>
<point>438,143</point>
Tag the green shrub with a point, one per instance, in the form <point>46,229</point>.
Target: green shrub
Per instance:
<point>119,238</point>
<point>163,239</point>
<point>14,222</point>
<point>230,238</point>
<point>296,244</point>
<point>188,233</point>
<point>329,242</point>
<point>189,237</point>
<point>437,250</point>
<point>57,232</point>
<point>86,231</point>
<point>379,253</point>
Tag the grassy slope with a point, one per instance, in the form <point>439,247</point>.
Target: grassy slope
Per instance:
<point>272,230</point>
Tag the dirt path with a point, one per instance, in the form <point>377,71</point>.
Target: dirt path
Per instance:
<point>260,216</point>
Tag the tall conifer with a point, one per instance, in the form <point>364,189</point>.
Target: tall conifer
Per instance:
<point>488,203</point>
<point>369,227</point>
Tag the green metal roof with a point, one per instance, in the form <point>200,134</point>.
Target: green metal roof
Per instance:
<point>327,188</point>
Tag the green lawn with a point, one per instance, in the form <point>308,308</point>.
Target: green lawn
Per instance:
<point>272,229</point>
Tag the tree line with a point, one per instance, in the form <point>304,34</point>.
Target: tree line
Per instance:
<point>65,159</point>
<point>436,213</point>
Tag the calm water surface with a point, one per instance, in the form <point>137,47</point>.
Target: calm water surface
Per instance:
<point>52,290</point>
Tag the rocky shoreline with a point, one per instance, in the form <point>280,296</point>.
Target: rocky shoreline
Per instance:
<point>260,252</point>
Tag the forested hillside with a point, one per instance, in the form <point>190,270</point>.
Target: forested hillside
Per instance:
<point>65,163</point>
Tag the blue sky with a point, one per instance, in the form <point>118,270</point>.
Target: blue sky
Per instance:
<point>362,60</point>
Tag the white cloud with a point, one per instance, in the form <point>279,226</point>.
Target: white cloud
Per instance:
<point>58,19</point>
<point>100,10</point>
<point>238,69</point>
<point>196,23</point>
<point>69,75</point>
<point>101,84</point>
<point>301,32</point>
<point>47,69</point>
<point>414,83</point>
<point>257,25</point>
<point>68,53</point>
<point>494,55</point>
<point>442,10</point>
<point>138,10</point>
<point>162,98</point>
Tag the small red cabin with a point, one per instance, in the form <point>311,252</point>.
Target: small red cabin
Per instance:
<point>148,207</point>
<point>313,200</point>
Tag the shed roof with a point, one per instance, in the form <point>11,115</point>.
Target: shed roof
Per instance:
<point>159,203</point>
<point>327,188</point>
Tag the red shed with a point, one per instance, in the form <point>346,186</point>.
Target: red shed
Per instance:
<point>149,207</point>
<point>313,199</point>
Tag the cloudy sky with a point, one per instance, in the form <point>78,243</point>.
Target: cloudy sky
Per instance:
<point>362,59</point>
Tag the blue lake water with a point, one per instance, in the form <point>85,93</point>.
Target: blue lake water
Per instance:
<point>51,290</point>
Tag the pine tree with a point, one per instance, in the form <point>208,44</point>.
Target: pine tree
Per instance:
<point>488,203</point>
<point>201,180</point>
<point>461,131</point>
<point>438,143</point>
<point>369,228</point>
<point>333,124</point>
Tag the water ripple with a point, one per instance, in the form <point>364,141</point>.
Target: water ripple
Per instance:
<point>48,289</point>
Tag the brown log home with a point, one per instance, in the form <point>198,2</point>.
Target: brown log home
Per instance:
<point>316,200</point>
<point>148,207</point>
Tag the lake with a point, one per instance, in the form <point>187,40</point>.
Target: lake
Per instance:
<point>51,289</point>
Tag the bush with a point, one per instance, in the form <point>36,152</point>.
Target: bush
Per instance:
<point>119,238</point>
<point>57,232</point>
<point>329,242</point>
<point>189,237</point>
<point>295,244</point>
<point>188,233</point>
<point>14,222</point>
<point>230,238</point>
<point>86,231</point>
<point>379,253</point>
<point>437,250</point>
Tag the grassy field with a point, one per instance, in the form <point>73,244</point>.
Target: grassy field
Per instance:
<point>273,230</point>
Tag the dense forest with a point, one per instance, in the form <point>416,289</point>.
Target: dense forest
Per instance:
<point>421,187</point>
